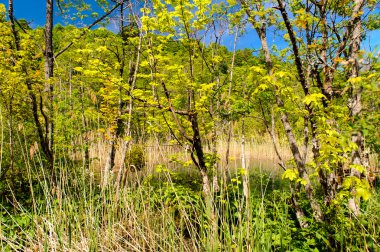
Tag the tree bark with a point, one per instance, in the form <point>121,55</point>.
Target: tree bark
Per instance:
<point>13,27</point>
<point>245,175</point>
<point>132,83</point>
<point>261,31</point>
<point>49,87</point>
<point>356,104</point>
<point>228,102</point>
<point>42,134</point>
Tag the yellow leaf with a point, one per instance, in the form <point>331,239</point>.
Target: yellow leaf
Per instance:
<point>290,174</point>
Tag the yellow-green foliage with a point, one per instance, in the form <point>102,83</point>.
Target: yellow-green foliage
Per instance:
<point>136,158</point>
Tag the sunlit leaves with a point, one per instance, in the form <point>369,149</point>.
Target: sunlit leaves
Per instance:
<point>361,187</point>
<point>290,174</point>
<point>304,18</point>
<point>2,12</point>
<point>314,99</point>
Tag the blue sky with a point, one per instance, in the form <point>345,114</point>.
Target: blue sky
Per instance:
<point>34,12</point>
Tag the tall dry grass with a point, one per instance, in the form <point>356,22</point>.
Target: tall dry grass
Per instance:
<point>77,215</point>
<point>153,211</point>
<point>259,153</point>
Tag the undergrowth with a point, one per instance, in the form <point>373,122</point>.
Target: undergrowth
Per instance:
<point>165,212</point>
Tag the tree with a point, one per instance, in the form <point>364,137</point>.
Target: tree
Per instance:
<point>319,46</point>
<point>45,128</point>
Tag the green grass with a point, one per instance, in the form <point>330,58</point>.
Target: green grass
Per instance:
<point>164,211</point>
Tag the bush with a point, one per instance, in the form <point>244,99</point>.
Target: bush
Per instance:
<point>136,158</point>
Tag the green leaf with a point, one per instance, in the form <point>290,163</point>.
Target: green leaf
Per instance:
<point>290,174</point>
<point>313,98</point>
<point>359,168</point>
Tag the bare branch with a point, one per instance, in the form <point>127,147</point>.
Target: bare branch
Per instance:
<point>88,28</point>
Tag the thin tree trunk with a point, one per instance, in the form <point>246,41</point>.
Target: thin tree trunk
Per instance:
<point>356,105</point>
<point>109,162</point>
<point>271,131</point>
<point>86,133</point>
<point>215,116</point>
<point>11,151</point>
<point>328,78</point>
<point>10,166</point>
<point>229,96</point>
<point>71,88</point>
<point>49,87</point>
<point>2,169</point>
<point>201,164</point>
<point>317,212</point>
<point>128,133</point>
<point>42,134</point>
<point>196,139</point>
<point>214,151</point>
<point>120,124</point>
<point>245,175</point>
<point>13,27</point>
<point>261,31</point>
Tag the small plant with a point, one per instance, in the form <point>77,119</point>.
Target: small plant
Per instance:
<point>136,158</point>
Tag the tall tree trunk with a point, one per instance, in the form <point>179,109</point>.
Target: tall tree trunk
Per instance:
<point>261,31</point>
<point>42,134</point>
<point>328,77</point>
<point>271,131</point>
<point>11,150</point>
<point>201,164</point>
<point>355,104</point>
<point>132,84</point>
<point>17,44</point>
<point>196,140</point>
<point>317,212</point>
<point>49,86</point>
<point>245,175</point>
<point>120,123</point>
<point>229,97</point>
<point>215,117</point>
<point>85,136</point>
<point>13,27</point>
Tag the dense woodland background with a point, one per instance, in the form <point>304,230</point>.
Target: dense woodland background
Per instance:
<point>156,137</point>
